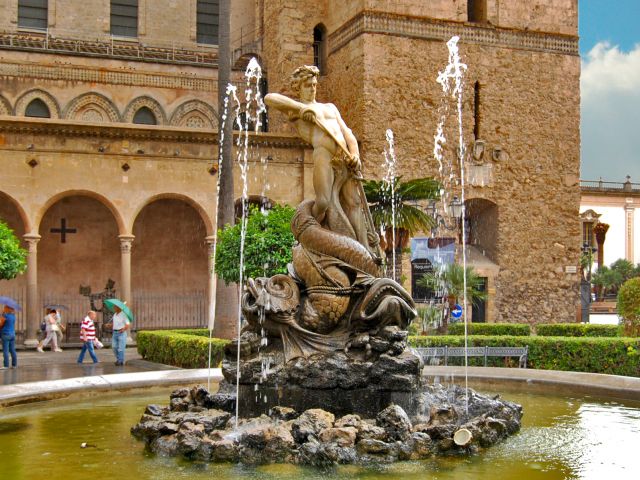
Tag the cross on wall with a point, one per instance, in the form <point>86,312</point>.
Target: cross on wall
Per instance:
<point>63,230</point>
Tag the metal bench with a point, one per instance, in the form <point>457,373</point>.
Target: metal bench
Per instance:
<point>486,352</point>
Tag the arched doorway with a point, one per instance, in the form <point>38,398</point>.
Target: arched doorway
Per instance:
<point>12,216</point>
<point>79,247</point>
<point>169,265</point>
<point>481,224</point>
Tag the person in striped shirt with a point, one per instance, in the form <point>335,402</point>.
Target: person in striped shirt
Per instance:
<point>88,335</point>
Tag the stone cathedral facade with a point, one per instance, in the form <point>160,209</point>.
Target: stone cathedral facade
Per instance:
<point>108,121</point>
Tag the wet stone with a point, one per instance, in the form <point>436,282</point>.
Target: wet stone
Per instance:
<point>155,410</point>
<point>310,423</point>
<point>283,413</point>
<point>395,422</point>
<point>342,436</point>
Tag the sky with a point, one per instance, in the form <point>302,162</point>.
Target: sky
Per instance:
<point>610,89</point>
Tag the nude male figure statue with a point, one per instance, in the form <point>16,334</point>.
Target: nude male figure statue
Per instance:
<point>336,157</point>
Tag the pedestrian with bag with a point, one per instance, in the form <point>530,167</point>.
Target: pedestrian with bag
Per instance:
<point>8,334</point>
<point>51,329</point>
<point>88,336</point>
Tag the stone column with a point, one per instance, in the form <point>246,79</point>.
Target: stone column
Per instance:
<point>211,282</point>
<point>33,302</point>
<point>125,260</point>
<point>628,230</point>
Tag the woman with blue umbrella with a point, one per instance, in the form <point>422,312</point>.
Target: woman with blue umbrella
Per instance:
<point>8,331</point>
<point>121,322</point>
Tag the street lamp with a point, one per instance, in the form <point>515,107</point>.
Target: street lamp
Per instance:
<point>450,222</point>
<point>585,283</point>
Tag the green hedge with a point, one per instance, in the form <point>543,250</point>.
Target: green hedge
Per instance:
<point>576,330</point>
<point>615,356</point>
<point>515,329</point>
<point>174,347</point>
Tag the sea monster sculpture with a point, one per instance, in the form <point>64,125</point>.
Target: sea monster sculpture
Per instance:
<point>333,296</point>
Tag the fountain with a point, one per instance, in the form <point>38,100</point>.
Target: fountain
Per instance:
<point>325,347</point>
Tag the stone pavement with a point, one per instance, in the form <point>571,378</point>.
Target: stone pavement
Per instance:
<point>34,366</point>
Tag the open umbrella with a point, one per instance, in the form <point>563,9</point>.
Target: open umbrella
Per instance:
<point>114,302</point>
<point>56,306</point>
<point>10,302</point>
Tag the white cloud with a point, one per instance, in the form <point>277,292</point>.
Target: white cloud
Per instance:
<point>610,108</point>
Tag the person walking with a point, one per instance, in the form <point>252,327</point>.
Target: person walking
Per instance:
<point>88,335</point>
<point>120,325</point>
<point>51,322</point>
<point>8,334</point>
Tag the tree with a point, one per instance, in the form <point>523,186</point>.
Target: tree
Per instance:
<point>606,279</point>
<point>409,218</point>
<point>629,306</point>
<point>449,281</point>
<point>267,247</point>
<point>13,258</point>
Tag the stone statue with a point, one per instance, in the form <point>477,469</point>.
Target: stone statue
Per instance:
<point>333,298</point>
<point>340,204</point>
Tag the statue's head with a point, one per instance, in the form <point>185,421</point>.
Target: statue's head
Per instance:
<point>304,80</point>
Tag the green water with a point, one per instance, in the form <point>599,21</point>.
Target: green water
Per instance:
<point>561,438</point>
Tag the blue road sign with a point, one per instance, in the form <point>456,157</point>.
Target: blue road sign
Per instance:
<point>456,311</point>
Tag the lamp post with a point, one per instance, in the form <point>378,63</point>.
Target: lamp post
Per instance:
<point>449,222</point>
<point>585,283</point>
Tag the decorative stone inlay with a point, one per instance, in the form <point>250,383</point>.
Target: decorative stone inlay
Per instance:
<point>92,107</point>
<point>200,114</point>
<point>146,101</point>
<point>47,98</point>
<point>5,106</point>
<point>91,115</point>
<point>91,75</point>
<point>431,29</point>
<point>196,121</point>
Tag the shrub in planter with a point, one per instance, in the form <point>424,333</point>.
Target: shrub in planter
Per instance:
<point>516,329</point>
<point>629,306</point>
<point>576,330</point>
<point>179,349</point>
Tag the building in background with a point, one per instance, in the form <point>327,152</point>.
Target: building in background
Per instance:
<point>108,119</point>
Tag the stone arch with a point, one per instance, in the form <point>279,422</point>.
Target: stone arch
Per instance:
<point>169,257</point>
<point>117,216</point>
<point>79,246</point>
<point>92,107</point>
<point>144,101</point>
<point>27,97</point>
<point>5,106</point>
<point>482,222</point>
<point>195,114</point>
<point>26,222</point>
<point>177,196</point>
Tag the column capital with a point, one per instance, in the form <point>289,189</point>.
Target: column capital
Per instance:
<point>125,243</point>
<point>210,239</point>
<point>32,237</point>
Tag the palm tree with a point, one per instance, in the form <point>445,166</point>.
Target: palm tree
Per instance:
<point>409,217</point>
<point>449,280</point>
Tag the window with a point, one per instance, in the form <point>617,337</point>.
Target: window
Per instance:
<point>145,116</point>
<point>320,48</point>
<point>587,234</point>
<point>37,108</point>
<point>207,22</point>
<point>477,10</point>
<point>124,18</point>
<point>32,14</point>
